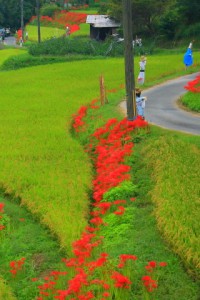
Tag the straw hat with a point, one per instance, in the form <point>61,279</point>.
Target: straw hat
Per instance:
<point>138,90</point>
<point>143,58</point>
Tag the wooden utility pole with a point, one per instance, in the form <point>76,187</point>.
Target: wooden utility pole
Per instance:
<point>38,19</point>
<point>22,19</point>
<point>129,59</point>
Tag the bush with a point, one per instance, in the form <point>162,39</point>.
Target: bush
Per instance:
<point>85,46</point>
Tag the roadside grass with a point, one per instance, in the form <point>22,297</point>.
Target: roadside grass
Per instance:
<point>191,101</point>
<point>25,237</point>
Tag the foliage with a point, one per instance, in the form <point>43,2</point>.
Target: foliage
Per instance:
<point>49,10</point>
<point>158,18</point>
<point>123,191</point>
<point>77,45</point>
<point>11,10</point>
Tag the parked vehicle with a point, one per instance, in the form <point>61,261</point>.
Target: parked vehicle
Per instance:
<point>7,31</point>
<point>2,34</point>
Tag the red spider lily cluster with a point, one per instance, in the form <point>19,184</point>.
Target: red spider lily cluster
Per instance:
<point>1,215</point>
<point>70,17</point>
<point>150,283</point>
<point>64,19</point>
<point>16,266</point>
<point>194,85</point>
<point>78,122</point>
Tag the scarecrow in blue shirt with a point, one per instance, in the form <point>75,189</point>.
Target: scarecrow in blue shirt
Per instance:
<point>188,59</point>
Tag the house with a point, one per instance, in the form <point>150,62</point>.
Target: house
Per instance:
<point>101,26</point>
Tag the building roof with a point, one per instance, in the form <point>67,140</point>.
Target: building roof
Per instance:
<point>102,21</point>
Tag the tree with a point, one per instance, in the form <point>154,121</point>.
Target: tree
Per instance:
<point>10,15</point>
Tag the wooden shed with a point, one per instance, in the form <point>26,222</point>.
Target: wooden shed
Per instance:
<point>101,26</point>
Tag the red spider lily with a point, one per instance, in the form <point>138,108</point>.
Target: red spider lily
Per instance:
<point>120,210</point>
<point>98,263</point>
<point>2,227</point>
<point>104,207</point>
<point>121,281</point>
<point>124,258</point>
<point>133,199</point>
<point>16,266</point>
<point>1,207</point>
<point>151,265</point>
<point>163,264</point>
<point>101,282</point>
<point>149,283</point>
<point>194,85</point>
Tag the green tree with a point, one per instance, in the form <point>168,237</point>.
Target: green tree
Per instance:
<point>10,15</point>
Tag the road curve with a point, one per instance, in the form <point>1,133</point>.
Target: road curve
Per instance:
<point>162,109</point>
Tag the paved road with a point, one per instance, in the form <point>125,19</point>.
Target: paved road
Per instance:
<point>162,109</point>
<point>10,41</point>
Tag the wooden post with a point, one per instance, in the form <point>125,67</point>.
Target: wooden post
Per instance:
<point>129,59</point>
<point>103,97</point>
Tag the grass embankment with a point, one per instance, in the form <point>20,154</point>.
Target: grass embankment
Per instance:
<point>191,102</point>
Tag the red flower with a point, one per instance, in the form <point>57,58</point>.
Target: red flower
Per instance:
<point>121,281</point>
<point>163,264</point>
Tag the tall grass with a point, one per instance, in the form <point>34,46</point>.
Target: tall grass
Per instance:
<point>5,292</point>
<point>176,195</point>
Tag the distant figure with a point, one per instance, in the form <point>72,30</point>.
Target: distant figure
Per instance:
<point>67,31</point>
<point>188,58</point>
<point>26,36</point>
<point>21,41</point>
<point>142,64</point>
<point>140,103</point>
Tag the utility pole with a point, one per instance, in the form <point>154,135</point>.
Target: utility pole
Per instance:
<point>38,19</point>
<point>22,18</point>
<point>129,60</point>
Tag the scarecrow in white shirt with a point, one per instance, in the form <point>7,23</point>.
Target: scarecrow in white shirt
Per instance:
<point>141,76</point>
